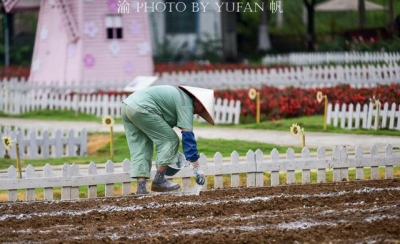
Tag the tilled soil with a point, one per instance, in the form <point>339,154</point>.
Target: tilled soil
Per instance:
<point>345,212</point>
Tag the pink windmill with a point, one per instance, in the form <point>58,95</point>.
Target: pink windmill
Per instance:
<point>89,40</point>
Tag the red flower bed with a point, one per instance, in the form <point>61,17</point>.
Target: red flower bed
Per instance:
<point>294,102</point>
<point>14,71</point>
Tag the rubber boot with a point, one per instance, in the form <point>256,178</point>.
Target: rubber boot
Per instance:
<point>141,188</point>
<point>160,184</point>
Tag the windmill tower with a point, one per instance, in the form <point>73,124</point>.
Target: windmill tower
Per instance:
<point>89,40</point>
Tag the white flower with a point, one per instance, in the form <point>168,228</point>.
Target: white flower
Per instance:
<point>114,47</point>
<point>90,28</point>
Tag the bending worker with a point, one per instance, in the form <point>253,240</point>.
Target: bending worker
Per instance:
<point>149,116</point>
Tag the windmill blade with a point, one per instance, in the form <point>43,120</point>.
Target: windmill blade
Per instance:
<point>68,20</point>
<point>9,4</point>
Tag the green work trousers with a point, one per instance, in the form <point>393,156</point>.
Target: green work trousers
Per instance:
<point>143,130</point>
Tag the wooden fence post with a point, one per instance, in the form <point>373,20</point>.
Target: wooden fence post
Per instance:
<point>321,176</point>
<point>126,186</point>
<point>251,174</point>
<point>359,168</point>
<point>235,178</point>
<point>374,169</point>
<point>275,174</point>
<point>290,174</point>
<point>12,175</point>
<point>92,189</point>
<point>336,160</point>
<point>259,175</point>
<point>109,187</point>
<point>48,191</point>
<point>218,179</point>
<point>306,173</point>
<point>389,161</point>
<point>344,171</point>
<point>66,190</point>
<point>74,189</point>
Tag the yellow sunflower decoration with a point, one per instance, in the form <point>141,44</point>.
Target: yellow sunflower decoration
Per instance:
<point>7,142</point>
<point>320,96</point>
<point>254,94</point>
<point>296,130</point>
<point>109,122</point>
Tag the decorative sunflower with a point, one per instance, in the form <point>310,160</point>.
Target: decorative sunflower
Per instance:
<point>7,142</point>
<point>252,93</point>
<point>108,121</point>
<point>320,97</point>
<point>295,129</point>
<point>375,101</point>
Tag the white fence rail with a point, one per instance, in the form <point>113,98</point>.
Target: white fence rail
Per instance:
<point>45,144</point>
<point>254,166</point>
<point>17,102</point>
<point>365,117</point>
<point>331,57</point>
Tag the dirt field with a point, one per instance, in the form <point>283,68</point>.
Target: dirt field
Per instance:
<point>345,212</point>
<point>95,142</point>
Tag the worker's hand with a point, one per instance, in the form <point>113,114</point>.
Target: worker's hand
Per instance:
<point>200,176</point>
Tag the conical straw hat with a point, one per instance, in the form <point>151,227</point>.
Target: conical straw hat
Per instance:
<point>206,98</point>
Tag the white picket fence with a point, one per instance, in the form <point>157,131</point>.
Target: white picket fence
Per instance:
<point>319,58</point>
<point>43,143</point>
<point>225,112</point>
<point>305,76</point>
<point>365,75</point>
<point>71,177</point>
<point>365,117</point>
<point>16,102</point>
<point>60,86</point>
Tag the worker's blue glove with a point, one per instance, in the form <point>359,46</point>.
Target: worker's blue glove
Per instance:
<point>189,146</point>
<point>200,175</point>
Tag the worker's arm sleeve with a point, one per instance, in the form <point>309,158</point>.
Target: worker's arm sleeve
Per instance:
<point>189,146</point>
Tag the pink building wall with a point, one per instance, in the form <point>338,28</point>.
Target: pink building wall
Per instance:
<point>92,56</point>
